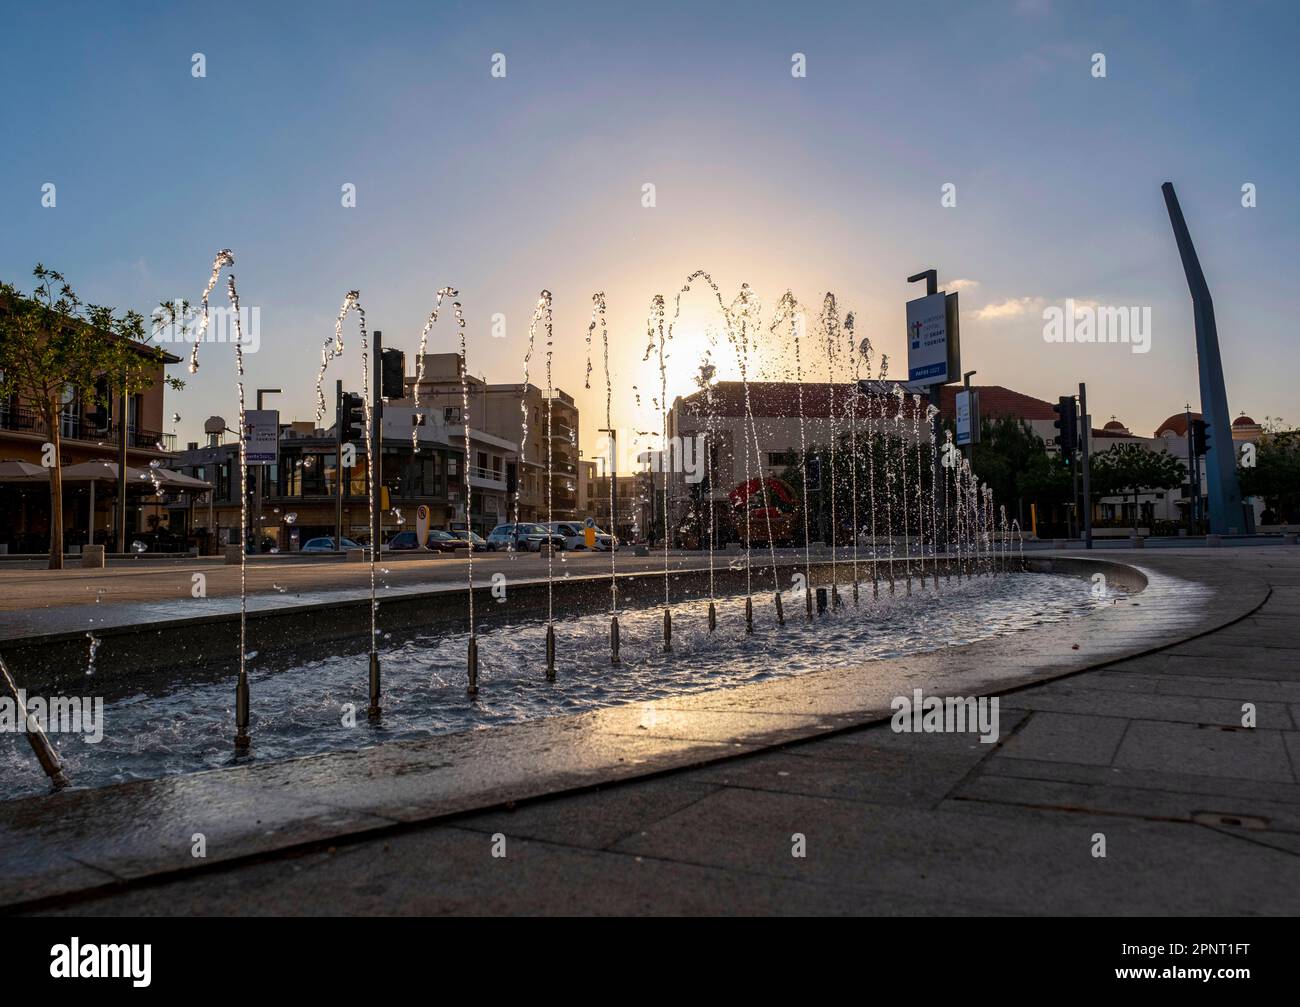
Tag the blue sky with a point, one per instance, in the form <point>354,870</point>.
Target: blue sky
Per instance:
<point>503,187</point>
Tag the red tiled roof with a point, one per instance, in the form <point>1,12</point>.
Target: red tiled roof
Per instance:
<point>781,398</point>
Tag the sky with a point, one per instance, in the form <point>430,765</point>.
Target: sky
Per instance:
<point>502,186</point>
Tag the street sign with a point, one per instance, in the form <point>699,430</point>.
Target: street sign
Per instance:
<point>262,436</point>
<point>422,526</point>
<point>968,417</point>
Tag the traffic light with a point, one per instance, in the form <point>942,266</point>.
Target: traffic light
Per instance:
<point>1067,423</point>
<point>1200,437</point>
<point>392,366</point>
<point>352,417</point>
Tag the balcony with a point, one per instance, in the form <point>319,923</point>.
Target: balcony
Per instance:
<point>25,420</point>
<point>481,478</point>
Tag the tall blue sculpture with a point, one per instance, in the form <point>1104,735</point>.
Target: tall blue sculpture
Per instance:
<point>1226,512</point>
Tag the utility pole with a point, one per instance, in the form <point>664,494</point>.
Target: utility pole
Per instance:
<point>376,459</point>
<point>1085,431</point>
<point>121,471</point>
<point>338,465</point>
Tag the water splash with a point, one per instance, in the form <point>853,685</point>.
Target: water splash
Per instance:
<point>223,258</point>
<point>442,294</point>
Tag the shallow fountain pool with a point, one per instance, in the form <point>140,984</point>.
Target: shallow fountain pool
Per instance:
<point>184,725</point>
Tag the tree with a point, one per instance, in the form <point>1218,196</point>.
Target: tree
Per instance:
<point>1275,476</point>
<point>1131,468</point>
<point>54,349</point>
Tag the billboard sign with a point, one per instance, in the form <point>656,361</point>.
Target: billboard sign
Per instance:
<point>968,417</point>
<point>262,436</point>
<point>933,345</point>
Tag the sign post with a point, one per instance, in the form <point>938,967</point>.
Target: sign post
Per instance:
<point>262,445</point>
<point>934,359</point>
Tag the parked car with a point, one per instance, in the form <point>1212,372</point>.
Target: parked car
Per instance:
<point>522,537</point>
<point>438,541</point>
<point>445,541</point>
<point>575,536</point>
<point>327,545</point>
<point>479,541</point>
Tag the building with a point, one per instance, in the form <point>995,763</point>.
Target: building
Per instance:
<point>300,495</point>
<point>87,433</point>
<point>501,410</point>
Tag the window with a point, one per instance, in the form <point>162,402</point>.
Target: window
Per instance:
<point>451,414</point>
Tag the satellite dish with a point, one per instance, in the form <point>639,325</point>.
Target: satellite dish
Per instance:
<point>214,425</point>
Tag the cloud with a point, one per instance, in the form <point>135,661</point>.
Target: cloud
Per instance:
<point>1012,307</point>
<point>962,284</point>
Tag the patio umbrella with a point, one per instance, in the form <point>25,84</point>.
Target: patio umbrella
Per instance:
<point>23,472</point>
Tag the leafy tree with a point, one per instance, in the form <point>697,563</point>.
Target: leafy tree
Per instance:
<point>53,345</point>
<point>1275,476</point>
<point>1131,468</point>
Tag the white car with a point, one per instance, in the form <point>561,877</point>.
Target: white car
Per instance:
<point>575,536</point>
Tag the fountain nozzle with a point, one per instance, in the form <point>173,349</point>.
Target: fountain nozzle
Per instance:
<point>780,609</point>
<point>550,653</point>
<point>375,711</point>
<point>713,617</point>
<point>668,631</point>
<point>472,665</point>
<point>613,641</point>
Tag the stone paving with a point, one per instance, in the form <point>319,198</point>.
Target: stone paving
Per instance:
<point>1199,814</point>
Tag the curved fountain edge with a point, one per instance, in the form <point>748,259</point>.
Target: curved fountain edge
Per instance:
<point>78,843</point>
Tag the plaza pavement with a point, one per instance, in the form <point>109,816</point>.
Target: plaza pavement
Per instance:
<point>1199,814</point>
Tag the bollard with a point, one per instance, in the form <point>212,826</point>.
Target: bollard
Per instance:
<point>92,557</point>
<point>472,664</point>
<point>855,594</point>
<point>550,653</point>
<point>375,712</point>
<point>780,610</point>
<point>41,747</point>
<point>613,640</point>
<point>835,596</point>
<point>749,615</point>
<point>821,601</point>
<point>242,740</point>
<point>232,555</point>
<point>668,631</point>
<point>713,617</point>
